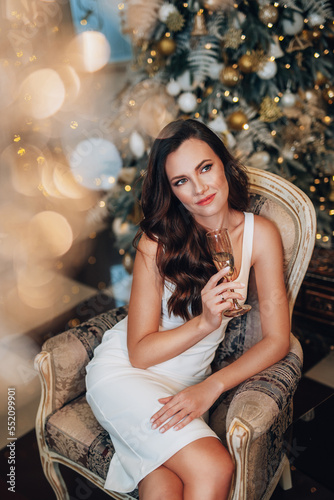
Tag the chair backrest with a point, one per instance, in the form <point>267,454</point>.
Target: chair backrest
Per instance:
<point>293,213</point>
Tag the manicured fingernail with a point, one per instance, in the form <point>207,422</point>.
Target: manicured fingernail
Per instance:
<point>154,426</point>
<point>162,429</point>
<point>176,428</point>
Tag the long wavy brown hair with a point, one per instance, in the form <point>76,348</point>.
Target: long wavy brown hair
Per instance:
<point>182,254</point>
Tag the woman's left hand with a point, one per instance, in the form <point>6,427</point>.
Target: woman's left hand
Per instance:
<point>186,405</point>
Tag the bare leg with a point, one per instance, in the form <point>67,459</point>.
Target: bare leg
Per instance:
<point>206,469</point>
<point>161,484</point>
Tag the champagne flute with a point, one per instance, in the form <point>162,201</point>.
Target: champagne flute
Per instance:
<point>222,253</point>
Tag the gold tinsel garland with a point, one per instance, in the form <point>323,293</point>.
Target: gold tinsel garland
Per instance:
<point>269,110</point>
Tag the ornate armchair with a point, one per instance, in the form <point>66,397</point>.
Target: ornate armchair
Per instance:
<point>251,419</point>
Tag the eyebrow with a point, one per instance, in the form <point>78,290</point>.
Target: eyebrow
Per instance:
<point>196,168</point>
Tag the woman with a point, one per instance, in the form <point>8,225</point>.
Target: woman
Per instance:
<point>150,383</point>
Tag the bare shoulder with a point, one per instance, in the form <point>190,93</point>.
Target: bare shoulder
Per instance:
<point>267,237</point>
<point>265,228</point>
<point>147,246</point>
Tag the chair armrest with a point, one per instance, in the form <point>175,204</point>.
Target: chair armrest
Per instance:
<point>64,357</point>
<point>259,400</point>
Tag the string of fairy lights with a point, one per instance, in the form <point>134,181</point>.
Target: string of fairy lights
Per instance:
<point>161,28</point>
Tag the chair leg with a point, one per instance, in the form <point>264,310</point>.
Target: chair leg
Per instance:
<point>53,475</point>
<point>238,439</point>
<point>285,481</point>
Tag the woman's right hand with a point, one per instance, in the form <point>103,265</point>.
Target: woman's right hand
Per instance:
<point>215,299</point>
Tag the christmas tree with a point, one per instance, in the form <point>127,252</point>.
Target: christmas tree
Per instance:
<point>258,73</point>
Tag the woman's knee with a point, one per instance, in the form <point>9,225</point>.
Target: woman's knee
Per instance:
<point>205,462</point>
<point>216,470</point>
<point>161,484</point>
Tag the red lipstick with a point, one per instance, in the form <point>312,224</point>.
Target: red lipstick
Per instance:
<point>207,200</point>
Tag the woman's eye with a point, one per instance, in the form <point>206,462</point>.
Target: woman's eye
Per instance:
<point>180,182</point>
<point>206,168</point>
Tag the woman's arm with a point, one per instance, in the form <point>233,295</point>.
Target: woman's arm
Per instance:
<point>275,321</point>
<point>274,310</point>
<point>147,345</point>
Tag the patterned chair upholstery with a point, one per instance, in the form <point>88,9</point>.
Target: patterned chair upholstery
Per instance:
<point>250,419</point>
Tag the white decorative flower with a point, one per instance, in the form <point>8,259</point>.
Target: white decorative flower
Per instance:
<point>165,10</point>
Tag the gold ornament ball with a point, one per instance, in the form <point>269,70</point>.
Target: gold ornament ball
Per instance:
<point>229,76</point>
<point>328,94</point>
<point>246,63</point>
<point>320,78</point>
<point>268,14</point>
<point>166,46</point>
<point>237,120</point>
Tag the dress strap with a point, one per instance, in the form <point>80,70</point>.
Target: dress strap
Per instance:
<point>247,244</point>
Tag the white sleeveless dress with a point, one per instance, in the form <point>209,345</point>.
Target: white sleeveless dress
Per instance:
<point>124,398</point>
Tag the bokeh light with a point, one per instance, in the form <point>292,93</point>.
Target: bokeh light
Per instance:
<point>48,235</point>
<point>94,161</point>
<point>22,161</point>
<point>89,51</point>
<point>42,93</point>
<point>7,83</point>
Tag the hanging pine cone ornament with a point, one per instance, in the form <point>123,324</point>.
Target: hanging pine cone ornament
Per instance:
<point>269,110</point>
<point>237,120</point>
<point>247,63</point>
<point>268,14</point>
<point>166,46</point>
<point>229,76</point>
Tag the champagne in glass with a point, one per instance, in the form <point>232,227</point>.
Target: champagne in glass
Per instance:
<point>222,254</point>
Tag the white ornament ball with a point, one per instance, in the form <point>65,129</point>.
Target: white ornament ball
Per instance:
<point>165,10</point>
<point>293,26</point>
<point>137,144</point>
<point>185,81</point>
<point>260,159</point>
<point>173,88</point>
<point>288,99</point>
<point>288,153</point>
<point>231,140</point>
<point>315,19</point>
<point>218,124</point>
<point>215,70</point>
<point>187,102</point>
<point>268,70</point>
